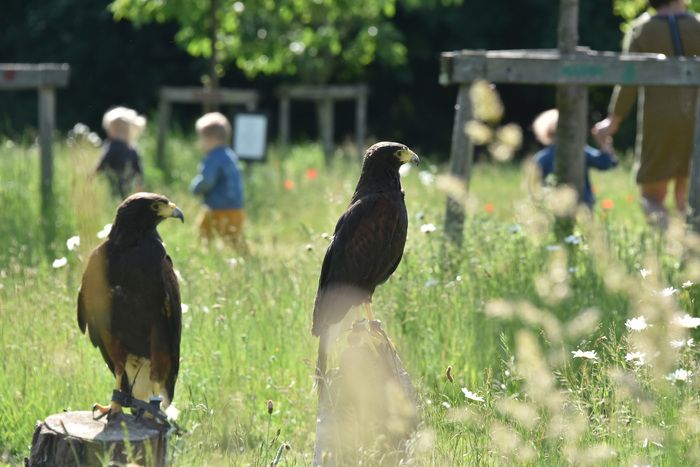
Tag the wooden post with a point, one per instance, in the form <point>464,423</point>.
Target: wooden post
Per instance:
<point>326,123</point>
<point>361,121</point>
<point>461,158</point>
<point>74,438</point>
<point>368,409</point>
<point>694,192</point>
<point>572,103</point>
<point>285,102</point>
<point>163,122</point>
<point>47,117</point>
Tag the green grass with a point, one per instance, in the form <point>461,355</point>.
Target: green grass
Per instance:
<point>246,336</point>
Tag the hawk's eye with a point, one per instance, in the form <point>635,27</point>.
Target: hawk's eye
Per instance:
<point>155,206</point>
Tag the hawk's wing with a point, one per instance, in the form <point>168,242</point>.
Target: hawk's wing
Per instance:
<point>173,313</point>
<point>366,248</point>
<point>95,301</point>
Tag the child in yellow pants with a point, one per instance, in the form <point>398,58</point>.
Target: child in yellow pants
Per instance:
<point>219,182</point>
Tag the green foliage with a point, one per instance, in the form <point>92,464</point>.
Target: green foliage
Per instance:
<point>630,9</point>
<point>313,39</point>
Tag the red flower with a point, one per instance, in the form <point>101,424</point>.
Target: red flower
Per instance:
<point>288,185</point>
<point>489,207</point>
<point>607,204</point>
<point>311,174</point>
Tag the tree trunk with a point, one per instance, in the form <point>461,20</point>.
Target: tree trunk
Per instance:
<point>212,105</point>
<point>75,439</point>
<point>572,103</point>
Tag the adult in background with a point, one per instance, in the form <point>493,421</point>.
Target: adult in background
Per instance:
<point>666,115</point>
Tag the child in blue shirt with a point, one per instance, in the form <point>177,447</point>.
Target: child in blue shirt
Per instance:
<point>545,129</point>
<point>219,181</point>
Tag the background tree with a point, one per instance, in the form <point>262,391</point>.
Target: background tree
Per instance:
<point>630,9</point>
<point>315,40</point>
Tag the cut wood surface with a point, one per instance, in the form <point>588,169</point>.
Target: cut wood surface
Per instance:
<point>76,439</point>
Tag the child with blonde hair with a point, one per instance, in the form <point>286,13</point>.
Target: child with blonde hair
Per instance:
<point>219,182</point>
<point>120,160</point>
<point>545,129</point>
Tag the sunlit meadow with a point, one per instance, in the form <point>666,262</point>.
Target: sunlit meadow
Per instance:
<point>578,352</point>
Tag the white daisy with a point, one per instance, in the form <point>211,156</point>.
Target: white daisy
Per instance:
<point>471,396</point>
<point>59,263</point>
<point>104,232</point>
<point>687,284</point>
<point>679,375</point>
<point>73,242</point>
<point>667,292</point>
<point>679,344</point>
<point>428,228</point>
<point>687,321</point>
<point>645,273</point>
<point>637,324</point>
<point>636,358</point>
<point>588,354</point>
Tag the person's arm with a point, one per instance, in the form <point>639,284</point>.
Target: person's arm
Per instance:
<point>205,181</point>
<point>622,100</point>
<point>600,159</point>
<point>104,159</point>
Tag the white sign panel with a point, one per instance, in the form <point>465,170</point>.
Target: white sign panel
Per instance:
<point>250,136</point>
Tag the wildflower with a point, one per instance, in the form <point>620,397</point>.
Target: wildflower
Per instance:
<point>587,354</point>
<point>471,396</point>
<point>449,374</point>
<point>428,228</point>
<point>233,262</point>
<point>607,204</point>
<point>636,358</point>
<point>679,375</point>
<point>404,170</point>
<point>489,208</point>
<point>573,240</point>
<point>687,284</point>
<point>185,308</point>
<point>311,174</point>
<point>270,407</point>
<point>104,232</point>
<point>426,178</point>
<point>73,242</point>
<point>447,405</point>
<point>645,273</point>
<point>637,324</point>
<point>687,321</point>
<point>680,343</point>
<point>59,263</point>
<point>288,185</point>
<point>667,292</point>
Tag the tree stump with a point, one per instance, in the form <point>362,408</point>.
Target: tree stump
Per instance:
<point>368,408</point>
<point>75,439</point>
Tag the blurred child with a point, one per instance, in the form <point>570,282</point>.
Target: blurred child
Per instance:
<point>120,160</point>
<point>545,129</point>
<point>219,181</point>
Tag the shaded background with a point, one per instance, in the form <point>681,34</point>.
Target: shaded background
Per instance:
<point>117,63</point>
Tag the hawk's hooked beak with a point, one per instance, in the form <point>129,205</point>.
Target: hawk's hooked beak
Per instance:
<point>407,156</point>
<point>171,210</point>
